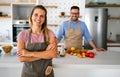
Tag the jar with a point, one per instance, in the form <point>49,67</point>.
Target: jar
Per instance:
<point>61,51</point>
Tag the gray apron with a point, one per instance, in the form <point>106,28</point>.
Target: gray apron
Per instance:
<point>73,37</point>
<point>36,68</point>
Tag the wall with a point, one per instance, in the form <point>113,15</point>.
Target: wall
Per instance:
<point>6,26</point>
<point>62,6</point>
<point>5,31</point>
<point>114,25</point>
<point>53,13</point>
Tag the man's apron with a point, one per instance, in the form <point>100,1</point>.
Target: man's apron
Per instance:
<point>36,68</point>
<point>73,37</point>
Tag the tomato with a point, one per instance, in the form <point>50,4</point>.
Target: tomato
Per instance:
<point>87,54</point>
<point>69,51</point>
<point>79,52</point>
<point>91,55</point>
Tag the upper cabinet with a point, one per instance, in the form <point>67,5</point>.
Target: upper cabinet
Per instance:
<point>21,11</point>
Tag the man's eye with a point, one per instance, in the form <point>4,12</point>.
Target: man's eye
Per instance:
<point>74,13</point>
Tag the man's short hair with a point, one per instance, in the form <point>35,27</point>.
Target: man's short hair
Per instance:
<point>74,7</point>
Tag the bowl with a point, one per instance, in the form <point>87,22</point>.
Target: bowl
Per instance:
<point>7,48</point>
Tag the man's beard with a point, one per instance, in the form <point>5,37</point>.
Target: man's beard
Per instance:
<point>74,19</point>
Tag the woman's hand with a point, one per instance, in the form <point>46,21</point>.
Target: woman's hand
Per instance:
<point>51,46</point>
<point>24,53</point>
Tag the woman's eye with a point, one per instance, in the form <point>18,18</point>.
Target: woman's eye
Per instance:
<point>42,16</point>
<point>36,14</point>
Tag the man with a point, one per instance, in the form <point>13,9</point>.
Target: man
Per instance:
<point>73,30</point>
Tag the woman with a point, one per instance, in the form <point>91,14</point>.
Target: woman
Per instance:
<point>37,46</point>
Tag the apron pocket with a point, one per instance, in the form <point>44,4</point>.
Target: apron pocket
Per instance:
<point>48,70</point>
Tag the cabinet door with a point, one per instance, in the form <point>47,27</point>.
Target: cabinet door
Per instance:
<point>22,11</point>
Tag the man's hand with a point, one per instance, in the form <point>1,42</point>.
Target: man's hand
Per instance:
<point>100,49</point>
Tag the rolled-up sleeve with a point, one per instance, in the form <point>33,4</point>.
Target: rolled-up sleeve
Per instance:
<point>61,32</point>
<point>86,33</point>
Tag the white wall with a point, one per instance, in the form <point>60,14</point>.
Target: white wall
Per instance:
<point>5,31</point>
<point>62,6</point>
<point>114,25</point>
<point>53,13</point>
<point>7,0</point>
<point>6,26</point>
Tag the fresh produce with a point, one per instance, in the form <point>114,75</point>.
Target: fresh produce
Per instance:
<point>80,53</point>
<point>72,48</point>
<point>91,55</point>
<point>69,51</point>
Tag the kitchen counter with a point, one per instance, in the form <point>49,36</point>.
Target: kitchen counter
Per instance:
<point>107,60</point>
<point>113,44</point>
<point>102,60</point>
<point>73,65</point>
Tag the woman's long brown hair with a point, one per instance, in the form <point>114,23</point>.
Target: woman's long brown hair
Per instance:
<point>44,28</point>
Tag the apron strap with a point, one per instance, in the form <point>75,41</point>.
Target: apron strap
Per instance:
<point>69,25</point>
<point>29,36</point>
